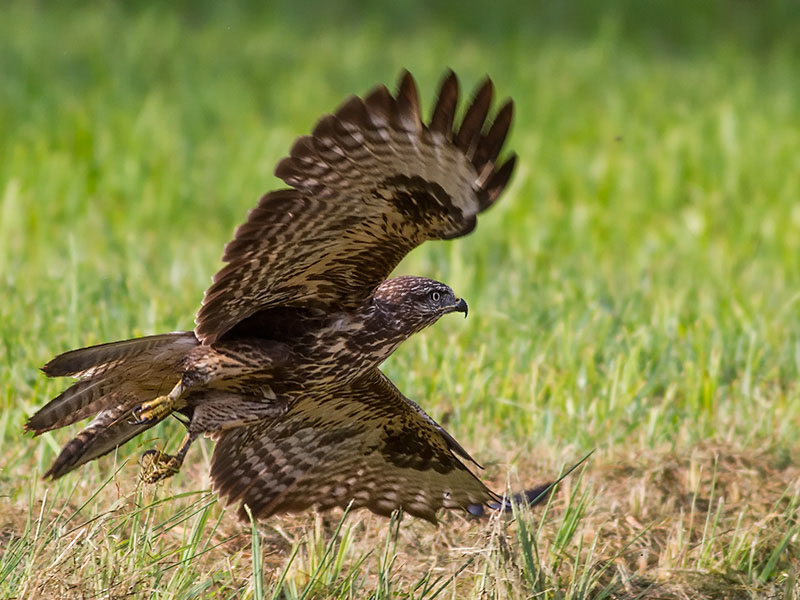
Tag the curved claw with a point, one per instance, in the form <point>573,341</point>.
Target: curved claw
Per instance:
<point>154,410</point>
<point>136,413</point>
<point>156,465</point>
<point>138,419</point>
<point>145,454</point>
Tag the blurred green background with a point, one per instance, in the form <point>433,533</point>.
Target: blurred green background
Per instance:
<point>639,282</point>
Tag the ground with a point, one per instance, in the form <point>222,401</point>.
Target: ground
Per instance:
<point>635,291</point>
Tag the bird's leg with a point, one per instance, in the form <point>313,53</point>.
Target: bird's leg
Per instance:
<point>158,408</point>
<point>157,465</point>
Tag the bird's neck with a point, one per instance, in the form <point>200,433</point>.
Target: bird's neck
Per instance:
<point>362,339</point>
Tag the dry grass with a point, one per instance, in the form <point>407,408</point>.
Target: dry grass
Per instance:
<point>635,291</point>
<point>715,521</point>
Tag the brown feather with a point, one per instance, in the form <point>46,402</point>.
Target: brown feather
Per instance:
<point>408,105</point>
<point>282,366</point>
<point>371,183</point>
<point>470,130</point>
<point>77,402</point>
<point>380,107</point>
<point>364,443</point>
<point>76,362</point>
<point>116,377</point>
<point>489,145</point>
<point>109,430</point>
<point>498,181</point>
<point>444,111</point>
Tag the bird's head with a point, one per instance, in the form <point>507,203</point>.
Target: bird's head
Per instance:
<point>414,303</point>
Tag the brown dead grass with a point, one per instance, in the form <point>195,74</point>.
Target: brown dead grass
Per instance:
<point>656,524</point>
<point>687,525</point>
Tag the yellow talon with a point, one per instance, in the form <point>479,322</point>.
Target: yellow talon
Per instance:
<point>157,465</point>
<point>156,409</point>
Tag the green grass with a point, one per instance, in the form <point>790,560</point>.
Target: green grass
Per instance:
<point>637,290</point>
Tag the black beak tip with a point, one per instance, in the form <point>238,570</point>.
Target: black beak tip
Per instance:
<point>462,307</point>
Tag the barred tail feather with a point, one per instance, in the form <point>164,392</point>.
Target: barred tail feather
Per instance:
<point>79,401</point>
<point>112,380</point>
<point>90,361</point>
<point>139,368</point>
<point>109,430</point>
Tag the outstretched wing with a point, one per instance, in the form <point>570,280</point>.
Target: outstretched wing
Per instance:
<point>371,183</point>
<point>364,443</point>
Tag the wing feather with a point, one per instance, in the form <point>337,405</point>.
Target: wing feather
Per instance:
<point>490,144</point>
<point>444,112</point>
<point>408,105</point>
<point>365,443</point>
<point>470,130</point>
<point>368,185</point>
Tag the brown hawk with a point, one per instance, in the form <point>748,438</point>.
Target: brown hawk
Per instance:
<point>282,367</point>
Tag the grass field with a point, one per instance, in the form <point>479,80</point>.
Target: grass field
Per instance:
<point>636,291</point>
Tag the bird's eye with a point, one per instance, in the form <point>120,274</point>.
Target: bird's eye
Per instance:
<point>435,296</point>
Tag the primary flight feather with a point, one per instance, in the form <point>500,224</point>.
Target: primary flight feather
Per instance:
<point>282,367</point>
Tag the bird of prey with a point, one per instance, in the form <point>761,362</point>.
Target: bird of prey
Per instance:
<point>282,366</point>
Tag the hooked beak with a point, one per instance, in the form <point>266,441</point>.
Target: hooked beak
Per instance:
<point>461,306</point>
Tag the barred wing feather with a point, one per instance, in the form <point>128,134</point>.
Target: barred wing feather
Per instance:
<point>371,183</point>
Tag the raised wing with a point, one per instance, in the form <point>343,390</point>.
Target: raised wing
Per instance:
<point>371,183</point>
<point>365,443</point>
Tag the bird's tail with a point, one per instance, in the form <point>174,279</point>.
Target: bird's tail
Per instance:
<point>112,380</point>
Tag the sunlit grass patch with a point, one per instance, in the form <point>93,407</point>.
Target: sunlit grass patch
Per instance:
<point>636,291</point>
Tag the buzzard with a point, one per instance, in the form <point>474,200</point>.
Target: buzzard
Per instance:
<point>282,366</point>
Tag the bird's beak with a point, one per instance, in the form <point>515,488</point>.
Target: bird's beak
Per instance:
<point>461,306</point>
